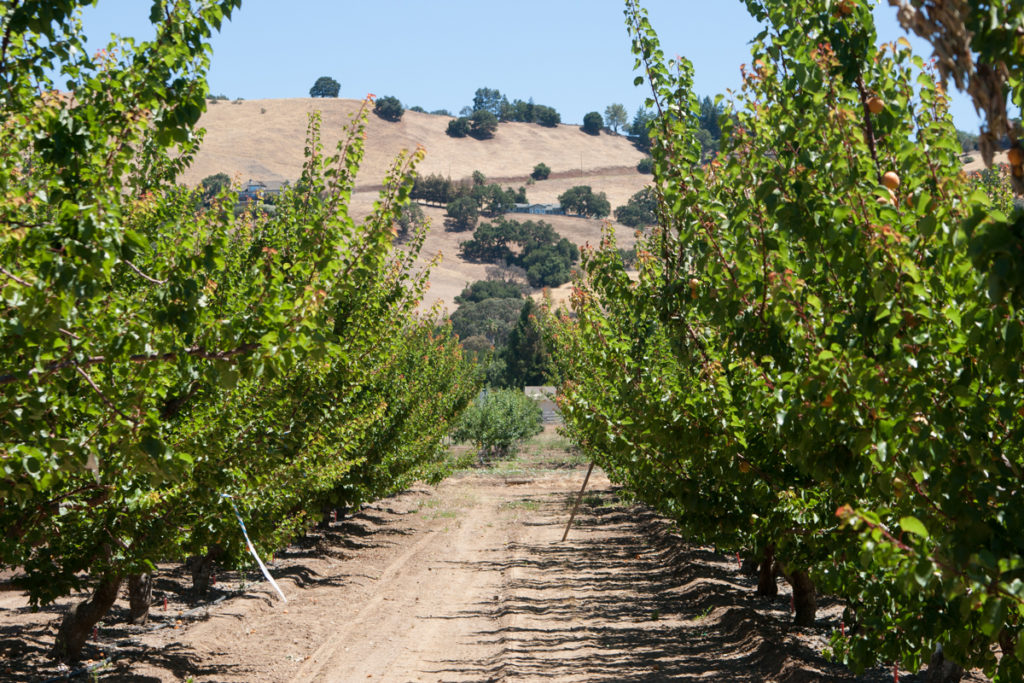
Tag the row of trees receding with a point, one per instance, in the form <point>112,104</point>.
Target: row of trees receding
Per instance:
<point>165,363</point>
<point>819,362</point>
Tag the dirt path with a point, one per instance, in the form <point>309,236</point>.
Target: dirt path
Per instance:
<point>468,582</point>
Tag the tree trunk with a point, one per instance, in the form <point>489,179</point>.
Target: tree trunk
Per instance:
<point>201,567</point>
<point>766,583</point>
<point>140,597</point>
<point>805,603</point>
<point>942,670</point>
<point>78,622</point>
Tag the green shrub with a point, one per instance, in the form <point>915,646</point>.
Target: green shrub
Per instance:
<point>458,128</point>
<point>499,421</point>
<point>541,171</point>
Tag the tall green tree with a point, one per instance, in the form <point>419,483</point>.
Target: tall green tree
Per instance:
<point>527,361</point>
<point>615,117</point>
<point>490,100</point>
<point>593,123</point>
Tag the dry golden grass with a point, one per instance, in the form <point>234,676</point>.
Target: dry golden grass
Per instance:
<point>264,140</point>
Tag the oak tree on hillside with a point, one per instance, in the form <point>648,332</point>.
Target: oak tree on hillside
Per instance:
<point>583,201</point>
<point>325,86</point>
<point>389,108</point>
<point>593,123</point>
<point>463,213</point>
<point>482,124</point>
<point>458,128</point>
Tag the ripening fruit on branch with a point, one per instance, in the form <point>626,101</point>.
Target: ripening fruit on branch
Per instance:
<point>1015,155</point>
<point>891,180</point>
<point>694,283</point>
<point>875,105</point>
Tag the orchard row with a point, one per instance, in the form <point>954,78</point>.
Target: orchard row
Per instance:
<point>819,362</point>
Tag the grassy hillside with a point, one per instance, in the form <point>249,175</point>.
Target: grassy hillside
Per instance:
<point>264,139</point>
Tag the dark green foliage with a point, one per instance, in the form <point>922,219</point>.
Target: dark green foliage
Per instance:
<point>638,131</point>
<point>541,171</point>
<point>213,184</point>
<point>434,189</point>
<point>527,361</point>
<point>489,100</point>
<point>490,242</point>
<point>550,265</point>
<point>493,199</point>
<point>641,209</point>
<point>463,213</point>
<point>645,165</point>
<point>458,128</point>
<point>325,86</point>
<point>497,422</point>
<point>482,124</point>
<point>710,113</point>
<point>582,201</point>
<point>490,318</point>
<point>441,112</point>
<point>520,197</point>
<point>489,289</point>
<point>593,123</point>
<point>546,257</point>
<point>547,116</point>
<point>418,109</point>
<point>389,108</point>
<point>478,178</point>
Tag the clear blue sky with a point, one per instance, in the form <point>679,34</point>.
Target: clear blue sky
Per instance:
<point>573,55</point>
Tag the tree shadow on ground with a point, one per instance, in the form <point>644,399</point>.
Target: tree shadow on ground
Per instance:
<point>623,599</point>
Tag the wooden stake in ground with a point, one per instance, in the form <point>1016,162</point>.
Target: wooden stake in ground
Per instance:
<point>578,499</point>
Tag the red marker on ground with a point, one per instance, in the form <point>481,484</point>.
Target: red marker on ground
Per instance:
<point>895,673</point>
<point>739,564</point>
<point>842,628</point>
<point>792,603</point>
<point>95,632</point>
<point>165,603</point>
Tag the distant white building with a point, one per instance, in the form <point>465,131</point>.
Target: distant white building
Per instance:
<point>540,209</point>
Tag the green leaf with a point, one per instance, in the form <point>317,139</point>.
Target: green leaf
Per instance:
<point>914,526</point>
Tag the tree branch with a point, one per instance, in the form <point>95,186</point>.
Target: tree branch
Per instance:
<point>194,352</point>
<point>106,400</point>
<point>14,277</point>
<point>143,275</point>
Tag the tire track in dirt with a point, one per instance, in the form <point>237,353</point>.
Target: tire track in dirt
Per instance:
<point>469,581</point>
<point>416,613</point>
